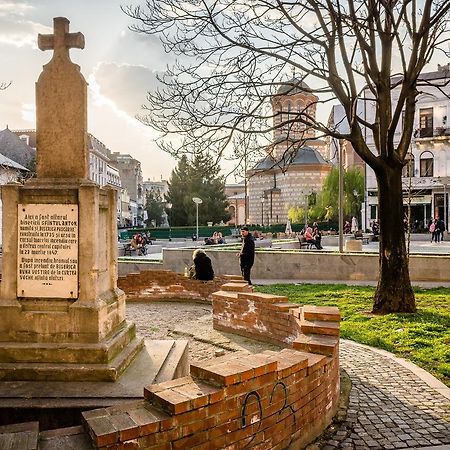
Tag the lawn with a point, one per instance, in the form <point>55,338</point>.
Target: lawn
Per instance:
<point>423,337</point>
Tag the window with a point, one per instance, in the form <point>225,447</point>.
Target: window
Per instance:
<point>408,168</point>
<point>426,164</point>
<point>373,212</point>
<point>426,122</point>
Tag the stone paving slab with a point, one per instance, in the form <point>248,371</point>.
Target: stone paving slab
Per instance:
<point>392,405</point>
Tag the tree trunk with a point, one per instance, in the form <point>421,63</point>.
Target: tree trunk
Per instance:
<point>394,293</point>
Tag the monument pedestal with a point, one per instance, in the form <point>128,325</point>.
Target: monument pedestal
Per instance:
<point>62,316</point>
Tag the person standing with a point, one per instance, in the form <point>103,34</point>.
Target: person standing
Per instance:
<point>247,254</point>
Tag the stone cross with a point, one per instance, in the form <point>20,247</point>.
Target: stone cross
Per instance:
<point>61,40</point>
<point>61,108</point>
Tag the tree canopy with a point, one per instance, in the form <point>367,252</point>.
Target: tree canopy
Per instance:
<point>154,205</point>
<point>196,177</point>
<point>236,55</point>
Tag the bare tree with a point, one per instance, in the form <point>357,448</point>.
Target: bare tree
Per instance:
<point>233,54</point>
<point>4,85</point>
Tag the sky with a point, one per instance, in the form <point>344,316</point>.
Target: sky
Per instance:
<point>119,65</point>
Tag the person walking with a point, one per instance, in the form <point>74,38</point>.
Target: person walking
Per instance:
<point>440,228</point>
<point>247,254</point>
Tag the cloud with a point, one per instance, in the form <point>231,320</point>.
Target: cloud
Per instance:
<point>16,8</point>
<point>126,85</point>
<point>20,33</point>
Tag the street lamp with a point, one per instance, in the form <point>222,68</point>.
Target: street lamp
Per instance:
<point>197,202</point>
<point>169,208</point>
<point>262,210</point>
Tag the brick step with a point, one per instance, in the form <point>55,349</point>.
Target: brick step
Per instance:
<point>182,394</point>
<point>227,371</point>
<point>286,306</point>
<point>323,345</point>
<point>237,286</point>
<point>319,327</point>
<point>19,436</point>
<point>322,313</point>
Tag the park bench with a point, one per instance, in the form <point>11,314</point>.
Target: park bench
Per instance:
<point>360,236</point>
<point>128,250</point>
<point>304,244</point>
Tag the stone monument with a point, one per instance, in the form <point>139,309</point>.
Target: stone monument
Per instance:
<point>62,316</point>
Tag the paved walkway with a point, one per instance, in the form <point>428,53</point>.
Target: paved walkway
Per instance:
<point>393,404</point>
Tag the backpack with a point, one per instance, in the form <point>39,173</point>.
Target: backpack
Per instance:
<point>432,227</point>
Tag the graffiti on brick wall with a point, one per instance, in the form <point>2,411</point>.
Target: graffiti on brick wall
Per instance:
<point>253,413</point>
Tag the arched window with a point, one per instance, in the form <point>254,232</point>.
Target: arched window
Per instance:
<point>408,168</point>
<point>426,164</point>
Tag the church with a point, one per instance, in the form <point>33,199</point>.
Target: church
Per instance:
<point>294,166</point>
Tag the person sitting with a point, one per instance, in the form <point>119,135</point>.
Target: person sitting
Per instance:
<point>137,243</point>
<point>317,236</point>
<point>308,235</point>
<point>347,227</point>
<point>220,239</point>
<point>202,267</point>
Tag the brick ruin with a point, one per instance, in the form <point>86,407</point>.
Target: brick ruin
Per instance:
<point>271,400</point>
<point>165,285</point>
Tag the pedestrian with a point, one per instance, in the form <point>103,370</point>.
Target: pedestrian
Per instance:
<point>440,228</point>
<point>202,267</point>
<point>432,230</point>
<point>247,254</point>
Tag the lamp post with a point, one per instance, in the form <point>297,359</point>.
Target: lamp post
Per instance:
<point>197,202</point>
<point>262,210</point>
<point>169,208</point>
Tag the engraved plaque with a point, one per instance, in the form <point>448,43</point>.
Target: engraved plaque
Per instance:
<point>47,251</point>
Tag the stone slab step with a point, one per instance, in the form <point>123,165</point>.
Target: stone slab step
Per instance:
<point>72,438</point>
<point>323,313</point>
<point>319,327</point>
<point>176,363</point>
<point>36,371</point>
<point>323,345</point>
<point>142,371</point>
<point>19,436</point>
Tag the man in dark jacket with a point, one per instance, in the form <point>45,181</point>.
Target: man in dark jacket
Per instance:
<point>247,254</point>
<point>202,267</point>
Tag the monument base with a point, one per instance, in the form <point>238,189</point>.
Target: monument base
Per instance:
<point>104,361</point>
<point>60,403</point>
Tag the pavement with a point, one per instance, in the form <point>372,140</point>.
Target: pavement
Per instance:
<point>393,404</point>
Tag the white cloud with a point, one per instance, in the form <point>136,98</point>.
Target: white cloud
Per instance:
<point>16,8</point>
<point>20,33</point>
<point>28,112</point>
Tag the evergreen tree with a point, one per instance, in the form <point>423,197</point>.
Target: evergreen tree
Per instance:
<point>197,178</point>
<point>154,205</point>
<point>178,194</point>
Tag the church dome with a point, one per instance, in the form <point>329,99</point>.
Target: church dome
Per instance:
<point>292,87</point>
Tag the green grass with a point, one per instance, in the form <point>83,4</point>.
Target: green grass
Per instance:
<point>423,337</point>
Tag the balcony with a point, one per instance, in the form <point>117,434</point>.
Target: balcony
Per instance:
<point>427,133</point>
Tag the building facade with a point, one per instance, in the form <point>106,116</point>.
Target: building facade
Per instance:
<point>131,179</point>
<point>294,166</point>
<point>426,176</point>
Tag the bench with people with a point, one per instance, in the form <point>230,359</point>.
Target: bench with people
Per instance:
<point>311,238</point>
<point>137,245</point>
<point>216,238</point>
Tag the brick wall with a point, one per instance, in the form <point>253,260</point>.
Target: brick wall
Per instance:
<point>161,285</point>
<point>271,400</point>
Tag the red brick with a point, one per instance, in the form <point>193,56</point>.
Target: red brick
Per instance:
<point>102,431</point>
